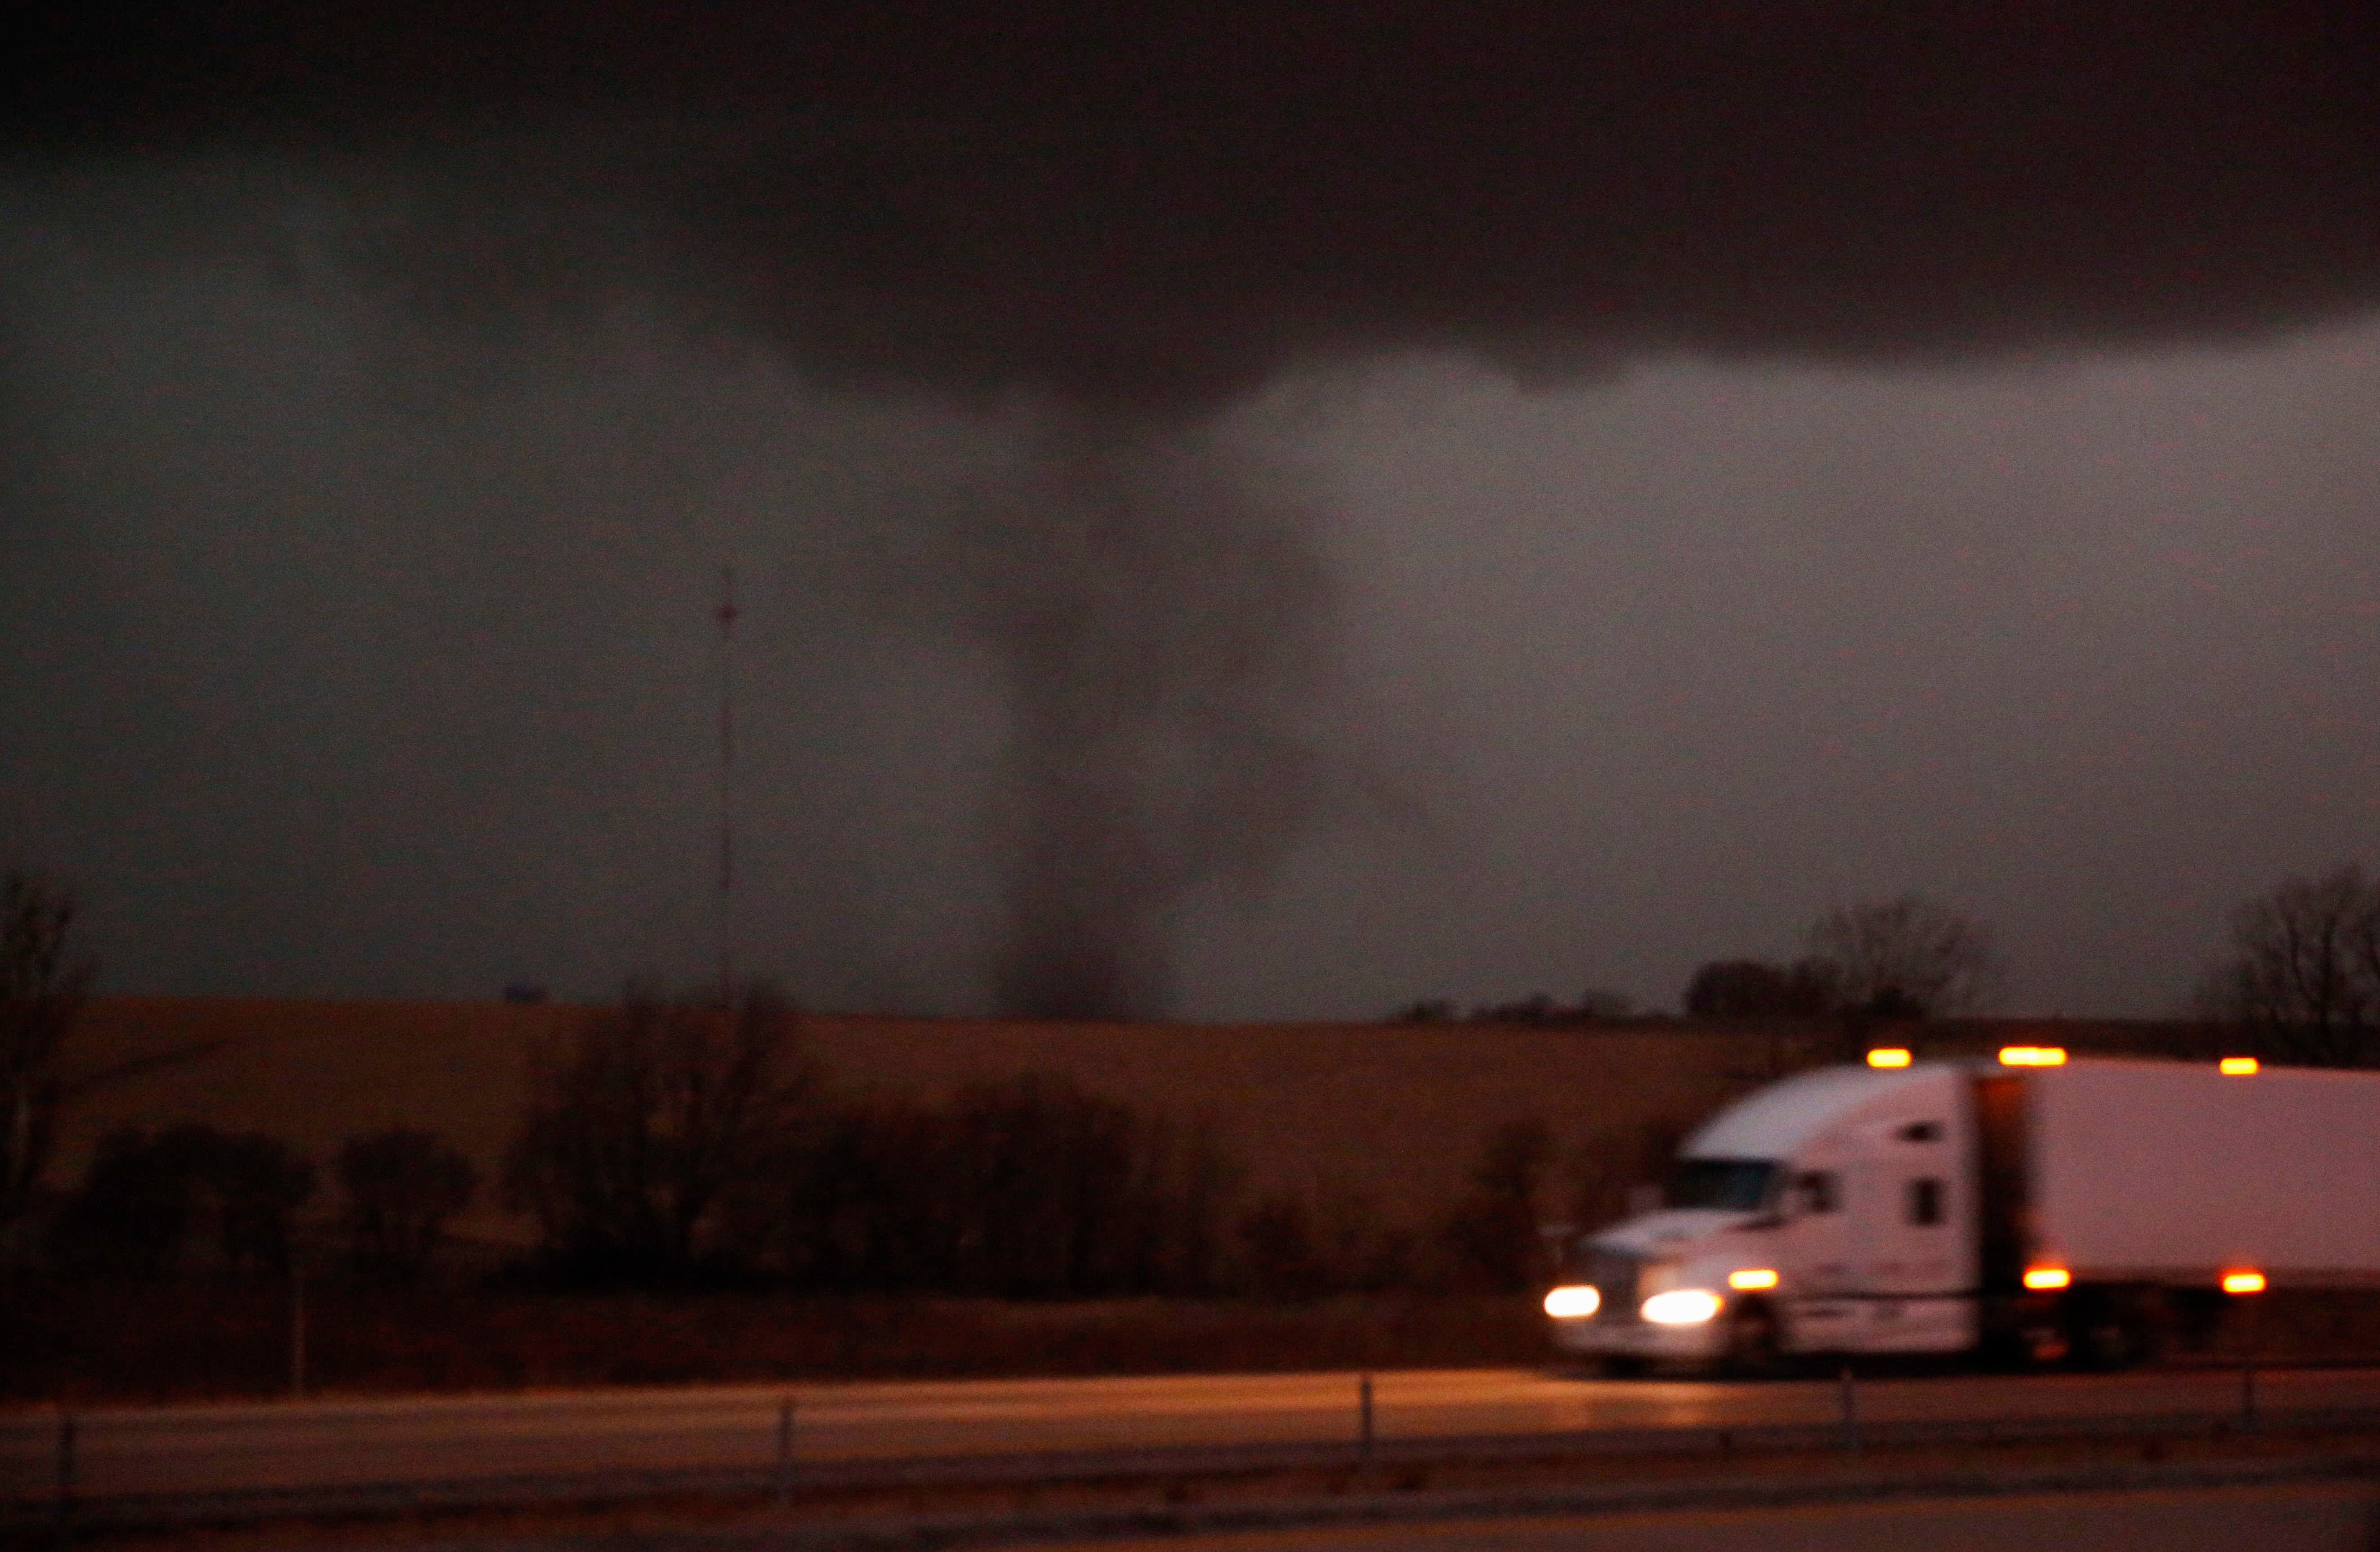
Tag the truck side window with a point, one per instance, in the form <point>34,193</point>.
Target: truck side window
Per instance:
<point>1817,1191</point>
<point>1924,1201</point>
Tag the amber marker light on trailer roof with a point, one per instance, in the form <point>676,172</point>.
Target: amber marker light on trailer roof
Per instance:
<point>2243,1281</point>
<point>1751,1279</point>
<point>2236,1066</point>
<point>2043,1278</point>
<point>2033,1056</point>
<point>1888,1057</point>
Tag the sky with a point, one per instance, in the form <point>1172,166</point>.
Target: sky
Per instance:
<point>1239,518</point>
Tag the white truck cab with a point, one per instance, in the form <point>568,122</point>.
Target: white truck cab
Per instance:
<point>1835,1211</point>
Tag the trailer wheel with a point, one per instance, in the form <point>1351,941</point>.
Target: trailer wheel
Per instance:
<point>2109,1331</point>
<point>1754,1344</point>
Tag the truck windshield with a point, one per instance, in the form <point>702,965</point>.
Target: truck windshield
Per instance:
<point>1733,1184</point>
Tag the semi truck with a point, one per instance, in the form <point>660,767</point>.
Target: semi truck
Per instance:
<point>2031,1208</point>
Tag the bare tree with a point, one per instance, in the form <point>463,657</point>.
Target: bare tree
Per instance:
<point>636,1137</point>
<point>41,992</point>
<point>131,1216</point>
<point>401,1187</point>
<point>147,1195</point>
<point>1603,1173</point>
<point>2304,973</point>
<point>1906,958</point>
<point>258,1183</point>
<point>1493,1229</point>
<point>1042,1186</point>
<point>1281,1246</point>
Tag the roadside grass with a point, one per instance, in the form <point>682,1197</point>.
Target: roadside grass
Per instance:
<point>200,1340</point>
<point>85,1345</point>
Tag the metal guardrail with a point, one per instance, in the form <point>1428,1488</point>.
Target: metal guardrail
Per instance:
<point>64,1508</point>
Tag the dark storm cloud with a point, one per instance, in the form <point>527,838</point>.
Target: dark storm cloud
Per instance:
<point>1126,223</point>
<point>1125,208</point>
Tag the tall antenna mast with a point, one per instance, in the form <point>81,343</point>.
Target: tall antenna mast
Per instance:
<point>726,617</point>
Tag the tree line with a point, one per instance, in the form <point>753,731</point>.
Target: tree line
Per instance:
<point>154,1202</point>
<point>2296,981</point>
<point>1904,958</point>
<point>675,1143</point>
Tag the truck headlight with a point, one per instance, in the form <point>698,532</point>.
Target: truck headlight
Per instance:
<point>1683,1306</point>
<point>1573,1300</point>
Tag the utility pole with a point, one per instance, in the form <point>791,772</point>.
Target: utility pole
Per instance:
<point>726,615</point>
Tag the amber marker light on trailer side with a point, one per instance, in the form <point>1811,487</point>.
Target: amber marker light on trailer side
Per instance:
<point>2236,1066</point>
<point>1752,1279</point>
<point>2243,1281</point>
<point>2033,1056</point>
<point>1891,1056</point>
<point>2041,1279</point>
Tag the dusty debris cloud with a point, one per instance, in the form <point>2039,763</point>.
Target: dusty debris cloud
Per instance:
<point>1130,223</point>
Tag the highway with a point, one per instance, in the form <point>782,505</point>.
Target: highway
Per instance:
<point>330,1442</point>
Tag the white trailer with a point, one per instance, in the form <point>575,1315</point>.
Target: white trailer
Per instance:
<point>2032,1206</point>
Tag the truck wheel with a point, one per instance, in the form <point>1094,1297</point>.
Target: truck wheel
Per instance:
<point>2107,1344</point>
<point>2109,1332</point>
<point>1753,1347</point>
<point>2041,1343</point>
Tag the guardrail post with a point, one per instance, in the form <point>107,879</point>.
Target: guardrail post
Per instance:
<point>1848,1393</point>
<point>786,1452</point>
<point>65,1530</point>
<point>1364,1422</point>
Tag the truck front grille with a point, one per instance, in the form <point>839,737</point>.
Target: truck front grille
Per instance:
<point>1614,1274</point>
